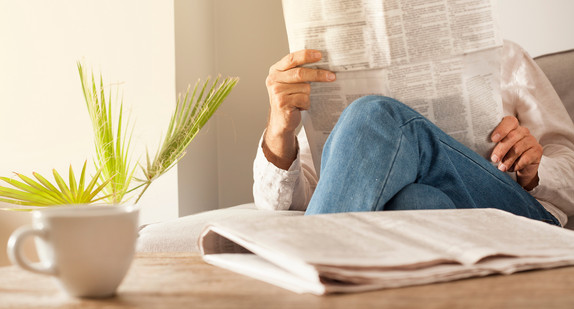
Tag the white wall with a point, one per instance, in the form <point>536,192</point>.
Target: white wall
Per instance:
<point>249,36</point>
<point>539,26</point>
<point>195,58</point>
<point>43,119</point>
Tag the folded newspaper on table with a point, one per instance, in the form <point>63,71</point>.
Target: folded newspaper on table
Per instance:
<point>353,252</point>
<point>442,58</point>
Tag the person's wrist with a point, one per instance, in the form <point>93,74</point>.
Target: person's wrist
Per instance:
<point>280,147</point>
<point>530,184</point>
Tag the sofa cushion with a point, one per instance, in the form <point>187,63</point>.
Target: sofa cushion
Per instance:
<point>182,234</point>
<point>559,68</point>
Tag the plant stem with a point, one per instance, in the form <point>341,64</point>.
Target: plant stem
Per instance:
<point>147,184</point>
<point>139,186</point>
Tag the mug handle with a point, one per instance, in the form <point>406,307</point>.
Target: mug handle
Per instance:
<point>15,250</point>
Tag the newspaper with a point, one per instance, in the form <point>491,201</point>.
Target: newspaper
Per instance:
<point>440,57</point>
<point>353,252</point>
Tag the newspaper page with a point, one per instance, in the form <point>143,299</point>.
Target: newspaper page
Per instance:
<point>350,252</point>
<point>440,57</point>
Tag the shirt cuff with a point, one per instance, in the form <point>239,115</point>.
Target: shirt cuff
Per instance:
<point>273,187</point>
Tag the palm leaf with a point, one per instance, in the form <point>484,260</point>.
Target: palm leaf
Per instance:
<point>23,195</point>
<point>49,186</point>
<point>112,143</point>
<point>63,187</point>
<point>38,191</point>
<point>92,184</point>
<point>190,116</point>
<point>72,181</point>
<point>29,192</point>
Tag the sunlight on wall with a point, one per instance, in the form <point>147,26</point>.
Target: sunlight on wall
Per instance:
<point>43,119</point>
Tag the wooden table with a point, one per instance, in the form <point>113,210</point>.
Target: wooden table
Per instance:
<point>185,281</point>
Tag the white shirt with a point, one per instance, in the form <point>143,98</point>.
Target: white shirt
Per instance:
<point>526,94</point>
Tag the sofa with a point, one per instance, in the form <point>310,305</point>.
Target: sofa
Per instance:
<point>181,234</point>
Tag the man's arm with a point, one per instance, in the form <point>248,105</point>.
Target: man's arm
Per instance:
<point>289,89</point>
<point>528,95</point>
<point>280,181</point>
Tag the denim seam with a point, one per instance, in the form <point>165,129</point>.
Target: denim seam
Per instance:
<point>396,154</point>
<point>450,147</point>
<point>471,159</point>
<point>390,168</point>
<point>411,120</point>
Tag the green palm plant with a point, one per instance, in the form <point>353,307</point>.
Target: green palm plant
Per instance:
<point>112,145</point>
<point>115,178</point>
<point>190,115</point>
<point>41,192</point>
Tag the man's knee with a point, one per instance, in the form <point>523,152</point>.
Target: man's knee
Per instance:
<point>375,106</point>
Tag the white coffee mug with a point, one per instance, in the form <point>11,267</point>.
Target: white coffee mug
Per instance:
<point>88,249</point>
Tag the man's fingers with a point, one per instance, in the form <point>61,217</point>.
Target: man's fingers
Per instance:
<point>517,154</point>
<point>507,124</point>
<point>288,69</point>
<point>505,144</point>
<point>529,157</point>
<point>278,89</point>
<point>301,75</point>
<point>300,101</point>
<point>290,101</point>
<point>296,59</point>
<point>288,86</point>
<point>517,151</point>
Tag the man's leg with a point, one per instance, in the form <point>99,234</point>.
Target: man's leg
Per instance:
<point>380,146</point>
<point>419,196</point>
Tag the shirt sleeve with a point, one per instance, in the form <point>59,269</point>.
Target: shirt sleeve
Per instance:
<point>278,189</point>
<point>537,106</point>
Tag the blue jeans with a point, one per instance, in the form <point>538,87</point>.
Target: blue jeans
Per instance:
<point>382,155</point>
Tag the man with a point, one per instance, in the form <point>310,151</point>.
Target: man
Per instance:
<point>382,155</point>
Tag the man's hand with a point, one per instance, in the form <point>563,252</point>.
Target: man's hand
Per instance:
<point>288,88</point>
<point>517,151</point>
